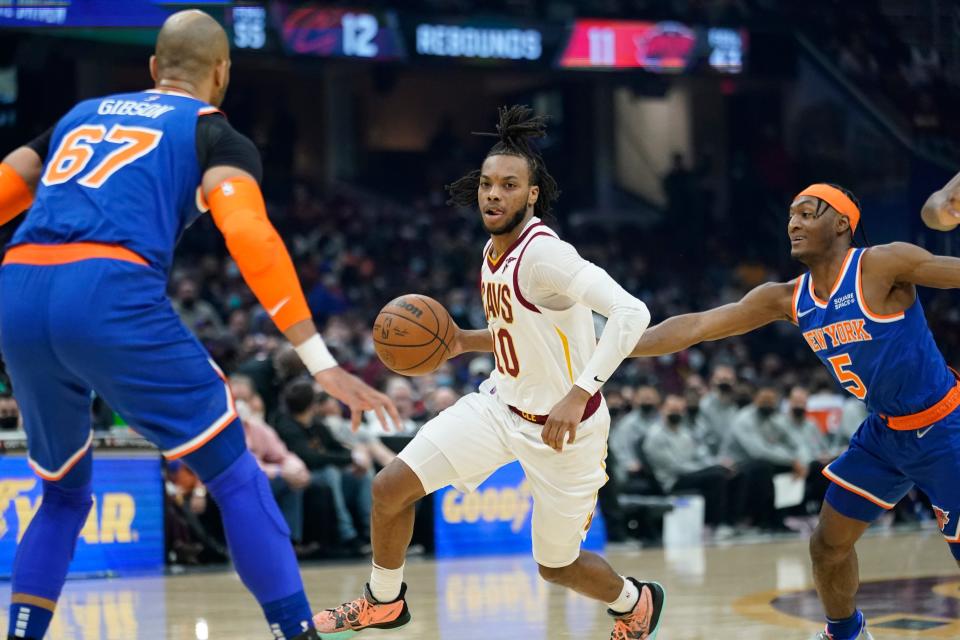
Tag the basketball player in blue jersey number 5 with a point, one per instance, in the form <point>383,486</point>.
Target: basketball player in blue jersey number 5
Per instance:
<point>83,307</point>
<point>858,311</point>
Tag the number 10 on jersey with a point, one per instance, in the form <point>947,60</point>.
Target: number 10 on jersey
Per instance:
<point>505,354</point>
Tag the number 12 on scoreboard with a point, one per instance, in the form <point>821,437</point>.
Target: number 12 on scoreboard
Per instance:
<point>359,32</point>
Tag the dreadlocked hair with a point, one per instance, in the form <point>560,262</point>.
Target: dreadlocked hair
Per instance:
<point>847,193</point>
<point>856,202</point>
<point>516,129</point>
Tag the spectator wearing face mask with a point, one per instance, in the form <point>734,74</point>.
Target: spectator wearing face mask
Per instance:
<point>616,404</point>
<point>199,315</point>
<point>758,434</point>
<point>271,374</point>
<point>852,415</point>
<point>718,407</point>
<point>743,393</point>
<point>816,447</point>
<point>693,418</point>
<point>331,465</point>
<point>813,440</point>
<point>287,473</point>
<point>627,434</point>
<point>608,496</point>
<point>760,445</point>
<point>681,466</point>
<point>439,399</point>
<point>362,441</point>
<point>404,396</point>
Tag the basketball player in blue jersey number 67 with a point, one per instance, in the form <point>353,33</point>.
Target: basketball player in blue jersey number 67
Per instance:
<point>83,307</point>
<point>858,311</point>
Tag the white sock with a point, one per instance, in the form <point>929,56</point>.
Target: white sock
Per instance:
<point>628,598</point>
<point>385,583</point>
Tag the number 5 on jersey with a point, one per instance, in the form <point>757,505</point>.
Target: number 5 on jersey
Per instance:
<point>850,381</point>
<point>76,150</point>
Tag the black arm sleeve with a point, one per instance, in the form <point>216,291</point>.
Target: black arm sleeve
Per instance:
<point>41,144</point>
<point>219,144</point>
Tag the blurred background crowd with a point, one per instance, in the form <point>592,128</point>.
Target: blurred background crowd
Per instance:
<point>678,185</point>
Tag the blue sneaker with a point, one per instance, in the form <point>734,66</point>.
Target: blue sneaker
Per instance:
<point>863,635</point>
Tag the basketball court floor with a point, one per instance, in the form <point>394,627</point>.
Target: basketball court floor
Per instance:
<point>759,591</point>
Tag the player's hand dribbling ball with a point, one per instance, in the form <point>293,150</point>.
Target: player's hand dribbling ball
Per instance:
<point>413,335</point>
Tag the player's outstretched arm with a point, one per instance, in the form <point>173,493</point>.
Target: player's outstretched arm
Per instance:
<point>905,263</point>
<point>471,340</point>
<point>941,211</point>
<point>19,175</point>
<point>238,210</point>
<point>765,304</point>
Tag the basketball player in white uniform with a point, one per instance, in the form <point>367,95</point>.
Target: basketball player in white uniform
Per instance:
<point>541,405</point>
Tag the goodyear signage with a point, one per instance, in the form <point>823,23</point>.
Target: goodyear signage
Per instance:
<point>124,530</point>
<point>479,599</point>
<point>494,519</point>
<point>132,609</point>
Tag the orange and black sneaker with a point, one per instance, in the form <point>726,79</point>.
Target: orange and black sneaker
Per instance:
<point>643,622</point>
<point>363,613</point>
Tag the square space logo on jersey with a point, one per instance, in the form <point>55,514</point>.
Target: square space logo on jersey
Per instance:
<point>843,301</point>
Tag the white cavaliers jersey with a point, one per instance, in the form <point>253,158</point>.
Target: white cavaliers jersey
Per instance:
<point>539,352</point>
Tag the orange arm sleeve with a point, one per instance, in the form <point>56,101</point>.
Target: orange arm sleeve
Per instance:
<point>15,194</point>
<point>239,212</point>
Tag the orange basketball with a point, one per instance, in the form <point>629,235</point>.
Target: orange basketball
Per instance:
<point>412,335</point>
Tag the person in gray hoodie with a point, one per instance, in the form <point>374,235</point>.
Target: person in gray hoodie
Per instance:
<point>718,407</point>
<point>816,446</point>
<point>680,465</point>
<point>760,446</point>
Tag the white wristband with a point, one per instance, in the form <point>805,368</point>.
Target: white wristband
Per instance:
<point>315,354</point>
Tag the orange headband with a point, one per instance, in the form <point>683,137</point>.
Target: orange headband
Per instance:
<point>836,199</point>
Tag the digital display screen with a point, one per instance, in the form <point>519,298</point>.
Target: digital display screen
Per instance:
<point>122,533</point>
<point>340,33</point>
<point>495,519</point>
<point>481,42</point>
<point>92,13</point>
<point>660,47</point>
<point>248,25</point>
<point>382,35</point>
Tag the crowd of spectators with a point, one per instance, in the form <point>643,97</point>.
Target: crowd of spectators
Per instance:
<point>905,75</point>
<point>723,419</point>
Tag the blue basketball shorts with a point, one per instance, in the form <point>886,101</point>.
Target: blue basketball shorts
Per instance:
<point>882,465</point>
<point>104,325</point>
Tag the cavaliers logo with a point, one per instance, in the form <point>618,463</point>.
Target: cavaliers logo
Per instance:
<point>943,517</point>
<point>667,46</point>
<point>312,31</point>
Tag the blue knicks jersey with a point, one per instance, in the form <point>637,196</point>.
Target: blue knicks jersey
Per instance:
<point>889,362</point>
<point>122,170</point>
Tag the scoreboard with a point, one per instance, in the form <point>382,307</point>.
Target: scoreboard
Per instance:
<point>338,32</point>
<point>325,31</point>
<point>661,47</point>
<point>92,13</point>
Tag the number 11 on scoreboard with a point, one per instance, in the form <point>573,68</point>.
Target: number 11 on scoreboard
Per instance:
<point>603,46</point>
